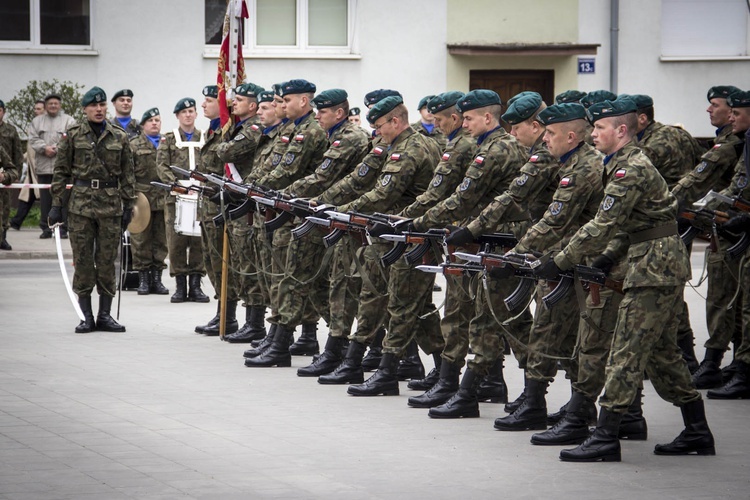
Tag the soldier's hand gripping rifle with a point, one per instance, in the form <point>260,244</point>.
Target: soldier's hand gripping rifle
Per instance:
<point>714,219</point>
<point>741,241</point>
<point>596,279</point>
<point>514,265</point>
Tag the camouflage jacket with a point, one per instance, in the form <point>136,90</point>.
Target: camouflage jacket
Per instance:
<point>636,198</point>
<point>305,146</point>
<point>406,173</point>
<point>673,151</point>
<point>714,171</point>
<point>81,155</point>
<point>575,202</point>
<point>133,129</point>
<point>10,140</point>
<point>270,148</point>
<point>240,146</point>
<point>168,153</point>
<point>348,145</point>
<point>533,188</point>
<point>210,163</point>
<point>738,187</point>
<point>436,135</point>
<point>448,174</point>
<point>144,162</point>
<point>360,180</point>
<point>498,161</point>
<point>10,172</point>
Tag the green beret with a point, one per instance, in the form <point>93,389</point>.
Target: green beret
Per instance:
<point>606,109</point>
<point>354,112</point>
<point>94,95</point>
<point>149,114</point>
<point>276,87</point>
<point>383,107</point>
<point>266,96</point>
<point>330,98</point>
<point>721,91</point>
<point>479,98</point>
<point>423,102</point>
<point>248,90</point>
<point>380,94</point>
<point>522,108</point>
<point>739,99</point>
<point>444,101</point>
<point>122,93</point>
<point>642,101</point>
<point>297,87</point>
<point>522,94</point>
<point>2,104</point>
<point>569,96</point>
<point>597,96</point>
<point>184,103</point>
<point>559,113</point>
<point>211,91</point>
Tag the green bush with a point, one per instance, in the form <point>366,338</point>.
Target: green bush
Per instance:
<point>32,218</point>
<point>20,109</point>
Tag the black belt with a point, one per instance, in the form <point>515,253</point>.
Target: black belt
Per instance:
<point>95,183</point>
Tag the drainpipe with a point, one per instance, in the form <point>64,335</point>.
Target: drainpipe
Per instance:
<point>614,32</point>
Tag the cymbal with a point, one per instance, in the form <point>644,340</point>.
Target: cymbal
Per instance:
<point>141,214</point>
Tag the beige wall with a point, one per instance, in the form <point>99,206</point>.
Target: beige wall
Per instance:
<point>512,21</point>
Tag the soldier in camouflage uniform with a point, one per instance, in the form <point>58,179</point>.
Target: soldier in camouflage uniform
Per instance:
<point>96,158</point>
<point>10,141</point>
<point>636,219</point>
<point>306,144</point>
<point>738,386</point>
<point>149,247</point>
<point>426,124</point>
<point>185,253</point>
<point>715,172</point>
<point>123,104</point>
<point>8,170</point>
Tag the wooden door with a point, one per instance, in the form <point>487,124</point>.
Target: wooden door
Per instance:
<point>510,82</point>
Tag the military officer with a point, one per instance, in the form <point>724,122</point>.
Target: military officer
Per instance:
<point>12,143</point>
<point>96,158</point>
<point>123,103</point>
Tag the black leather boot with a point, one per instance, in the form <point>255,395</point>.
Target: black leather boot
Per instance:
<point>213,322</point>
<point>430,379</point>
<point>493,388</point>
<point>695,438</point>
<point>327,361</point>
<point>708,374</point>
<point>553,418</point>
<point>307,343</point>
<point>88,324</point>
<point>195,294</point>
<point>253,329</point>
<point>278,352</point>
<point>372,360</point>
<point>442,391</point>
<point>4,245</point>
<point>410,367</point>
<point>513,405</point>
<point>633,426</point>
<point>384,381</point>
<point>105,322</point>
<point>156,286</point>
<point>231,324</point>
<point>180,292</point>
<point>738,386</point>
<point>573,428</point>
<point>464,403</point>
<point>602,445</point>
<point>532,414</point>
<point>687,347</point>
<point>144,282</point>
<point>263,344</point>
<point>350,370</point>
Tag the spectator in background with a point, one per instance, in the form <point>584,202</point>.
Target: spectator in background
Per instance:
<point>27,196</point>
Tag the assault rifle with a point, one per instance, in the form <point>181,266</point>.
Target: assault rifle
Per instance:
<point>716,218</point>
<point>178,188</point>
<point>593,277</point>
<point>422,241</point>
<point>339,224</point>
<point>517,263</point>
<point>451,268</point>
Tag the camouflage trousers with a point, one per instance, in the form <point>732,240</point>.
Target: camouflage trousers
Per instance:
<point>553,334</point>
<point>722,285</point>
<point>645,339</point>
<point>743,351</point>
<point>258,292</point>
<point>185,253</point>
<point>149,247</point>
<point>212,241</point>
<point>244,262</point>
<point>94,243</point>
<point>305,283</point>
<point>5,209</point>
<point>409,297</point>
<point>345,285</point>
<point>372,312</point>
<point>457,315</point>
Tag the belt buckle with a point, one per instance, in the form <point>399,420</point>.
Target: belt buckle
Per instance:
<point>94,183</point>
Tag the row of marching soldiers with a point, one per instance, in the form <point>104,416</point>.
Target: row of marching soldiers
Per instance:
<point>592,180</point>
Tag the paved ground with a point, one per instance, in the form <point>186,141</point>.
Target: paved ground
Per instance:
<point>161,412</point>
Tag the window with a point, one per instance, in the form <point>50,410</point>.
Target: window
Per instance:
<point>288,28</point>
<point>704,28</point>
<point>53,24</point>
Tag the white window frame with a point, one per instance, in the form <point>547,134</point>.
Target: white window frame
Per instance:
<point>302,50</point>
<point>34,46</point>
